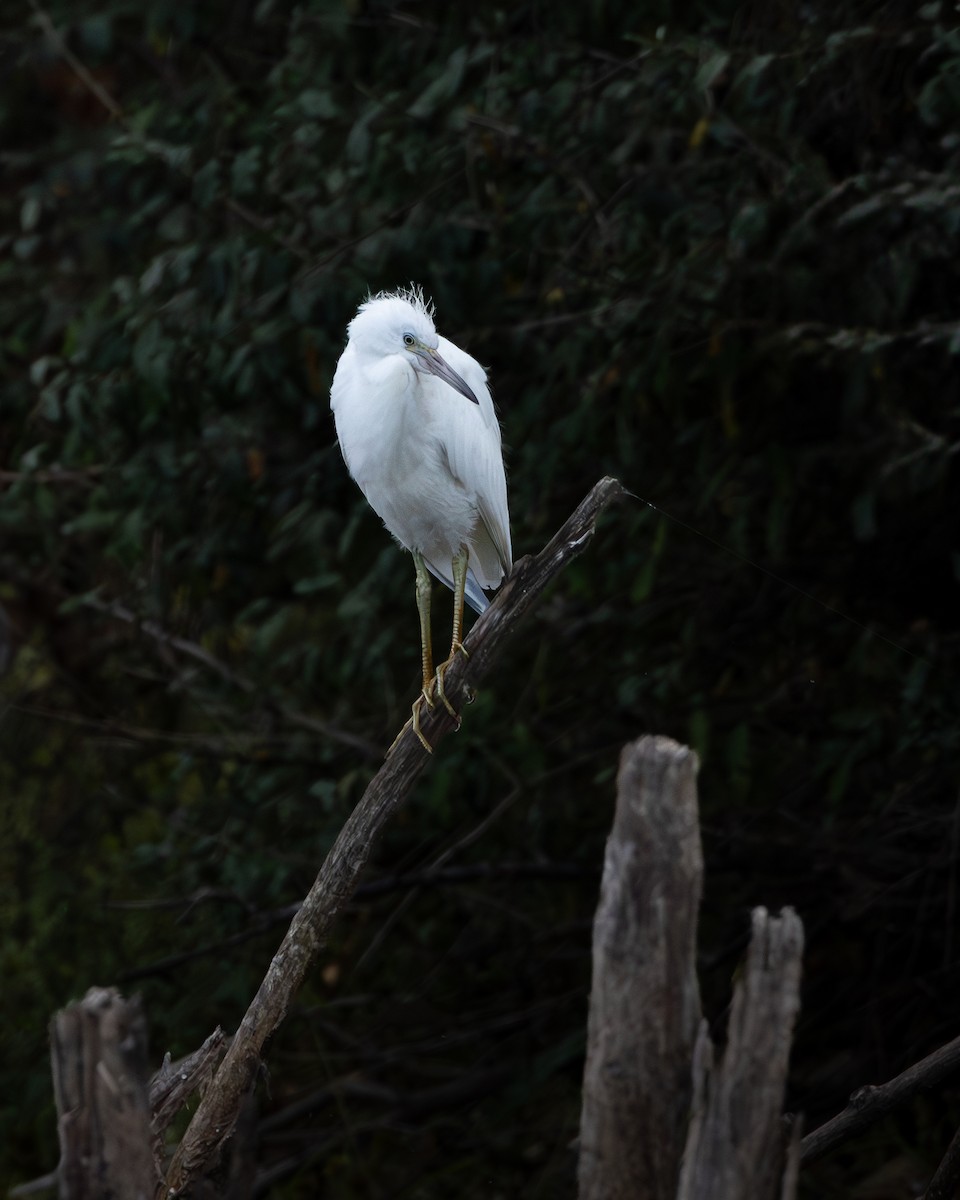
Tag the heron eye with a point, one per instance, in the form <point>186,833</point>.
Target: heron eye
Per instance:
<point>409,339</point>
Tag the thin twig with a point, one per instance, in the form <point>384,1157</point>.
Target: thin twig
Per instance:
<point>45,1183</point>
<point>54,475</point>
<point>216,1116</point>
<point>868,1104</point>
<point>409,1108</point>
<point>440,861</point>
<point>242,682</point>
<point>237,747</point>
<point>254,220</point>
<point>261,224</point>
<point>88,80</point>
<point>946,1178</point>
<point>413,882</point>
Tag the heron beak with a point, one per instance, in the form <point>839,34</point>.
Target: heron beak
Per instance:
<point>433,363</point>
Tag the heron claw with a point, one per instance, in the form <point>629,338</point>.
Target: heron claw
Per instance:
<point>441,671</point>
<point>436,685</point>
<point>416,719</point>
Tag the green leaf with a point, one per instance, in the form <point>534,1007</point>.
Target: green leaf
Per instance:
<point>709,73</point>
<point>30,213</point>
<point>317,583</point>
<point>442,87</point>
<point>95,521</point>
<point>316,103</point>
<point>864,516</point>
<point>245,172</point>
<point>96,33</point>
<point>206,184</point>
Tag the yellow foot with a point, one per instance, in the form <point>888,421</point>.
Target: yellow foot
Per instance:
<point>441,671</point>
<point>423,698</point>
<point>426,698</point>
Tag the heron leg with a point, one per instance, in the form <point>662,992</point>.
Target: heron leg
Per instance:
<point>423,608</point>
<point>460,562</point>
<point>426,645</point>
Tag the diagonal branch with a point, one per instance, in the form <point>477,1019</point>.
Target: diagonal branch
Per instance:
<point>216,1116</point>
<point>868,1104</point>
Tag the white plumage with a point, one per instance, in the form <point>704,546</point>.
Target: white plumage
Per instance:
<point>419,434</point>
<point>427,458</point>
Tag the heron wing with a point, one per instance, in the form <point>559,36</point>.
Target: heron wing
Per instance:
<point>475,457</point>
<point>473,592</point>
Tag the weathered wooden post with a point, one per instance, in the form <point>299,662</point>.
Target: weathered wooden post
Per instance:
<point>644,1000</point>
<point>98,1048</point>
<point>738,1147</point>
<point>660,1120</point>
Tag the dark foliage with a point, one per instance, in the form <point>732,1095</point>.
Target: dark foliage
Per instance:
<point>711,249</point>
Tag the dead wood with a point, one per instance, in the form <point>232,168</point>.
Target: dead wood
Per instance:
<point>217,1113</point>
<point>737,1148</point>
<point>173,1085</point>
<point>946,1178</point>
<point>98,1049</point>
<point>644,998</point>
<point>868,1104</point>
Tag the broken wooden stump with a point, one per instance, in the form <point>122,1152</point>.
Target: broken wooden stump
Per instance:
<point>737,1147</point>
<point>644,1000</point>
<point>98,1048</point>
<point>660,1119</point>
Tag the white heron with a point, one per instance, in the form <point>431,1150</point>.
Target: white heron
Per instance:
<point>419,435</point>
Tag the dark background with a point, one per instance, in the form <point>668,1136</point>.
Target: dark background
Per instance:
<point>709,248</point>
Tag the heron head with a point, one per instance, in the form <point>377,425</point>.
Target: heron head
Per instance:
<point>387,325</point>
<point>403,325</point>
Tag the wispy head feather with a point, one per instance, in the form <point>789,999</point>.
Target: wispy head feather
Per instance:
<point>382,320</point>
<point>413,295</point>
